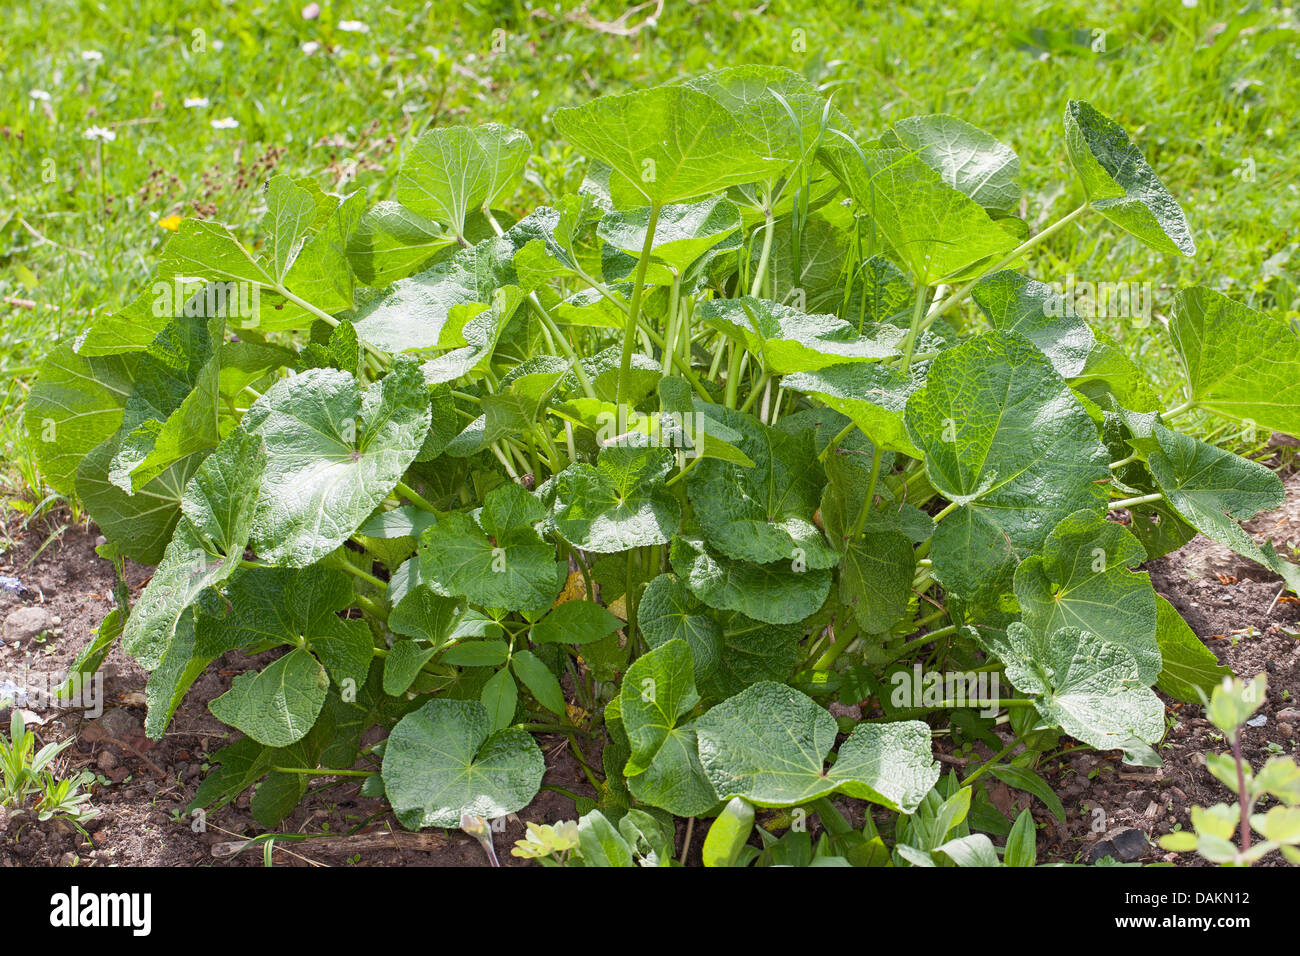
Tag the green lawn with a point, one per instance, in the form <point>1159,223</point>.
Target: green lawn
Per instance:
<point>1209,95</point>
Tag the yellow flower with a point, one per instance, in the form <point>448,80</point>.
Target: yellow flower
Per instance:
<point>170,223</point>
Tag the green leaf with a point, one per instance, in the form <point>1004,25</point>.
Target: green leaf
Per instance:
<point>279,704</point>
<point>1090,688</point>
<point>667,144</point>
<point>876,578</point>
<point>1086,576</point>
<point>751,651</point>
<point>500,695</point>
<point>763,513</point>
<point>872,396</point>
<point>443,760</point>
<point>1016,303</point>
<point>1213,489</point>
<point>391,242</point>
<point>499,561</point>
<point>453,171</point>
<point>140,525</point>
<point>1239,362</point>
<point>403,664</point>
<point>790,340</point>
<point>772,593</point>
<point>575,622</point>
<point>729,833</point>
<point>75,405</point>
<point>683,233</point>
<point>769,743</point>
<point>936,231</point>
<point>668,612</point>
<point>968,159</point>
<point>333,452</point>
<point>1009,444</point>
<point>1119,183</point>
<point>539,680</point>
<point>658,689</point>
<point>619,504</point>
<point>175,674</point>
<point>209,542</point>
<point>1188,665</point>
<point>1022,848</point>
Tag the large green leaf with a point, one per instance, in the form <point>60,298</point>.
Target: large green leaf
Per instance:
<point>1189,669</point>
<point>683,233</point>
<point>453,171</point>
<point>1213,489</point>
<point>1086,576</point>
<point>872,396</point>
<point>75,405</point>
<point>876,578</point>
<point>790,340</point>
<point>1119,183</point>
<point>499,561</point>
<point>140,525</point>
<point>763,513</point>
<point>669,612</point>
<point>1087,686</point>
<point>618,504</point>
<point>333,452</point>
<point>773,593</point>
<point>935,230</point>
<point>667,144</point>
<point>769,744</point>
<point>207,547</point>
<point>968,159</point>
<point>443,760</point>
<point>391,242</point>
<point>1016,303</point>
<point>1240,362</point>
<point>658,690</point>
<point>277,705</point>
<point>1007,442</point>
<point>289,606</point>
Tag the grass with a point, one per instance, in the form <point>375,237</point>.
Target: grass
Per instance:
<point>1207,92</point>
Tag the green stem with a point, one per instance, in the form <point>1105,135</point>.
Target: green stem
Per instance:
<point>914,327</point>
<point>991,762</point>
<point>634,307</point>
<point>407,492</point>
<point>951,301</point>
<point>949,509</point>
<point>861,520</point>
<point>769,226</point>
<point>1177,410</point>
<point>324,773</point>
<point>1139,500</point>
<point>918,642</point>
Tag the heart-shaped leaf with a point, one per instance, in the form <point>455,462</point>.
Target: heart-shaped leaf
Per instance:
<point>443,760</point>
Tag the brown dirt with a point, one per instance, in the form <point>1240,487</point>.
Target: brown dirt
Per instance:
<point>1232,605</point>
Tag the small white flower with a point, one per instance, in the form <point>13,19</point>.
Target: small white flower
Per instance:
<point>39,95</point>
<point>310,47</point>
<point>218,45</point>
<point>228,123</point>
<point>92,56</point>
<point>311,11</point>
<point>353,26</point>
<point>196,102</point>
<point>101,133</point>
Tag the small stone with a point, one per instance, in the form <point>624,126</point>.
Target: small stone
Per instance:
<point>120,723</point>
<point>1289,715</point>
<point>1286,730</point>
<point>68,859</point>
<point>107,761</point>
<point>1123,845</point>
<point>27,623</point>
